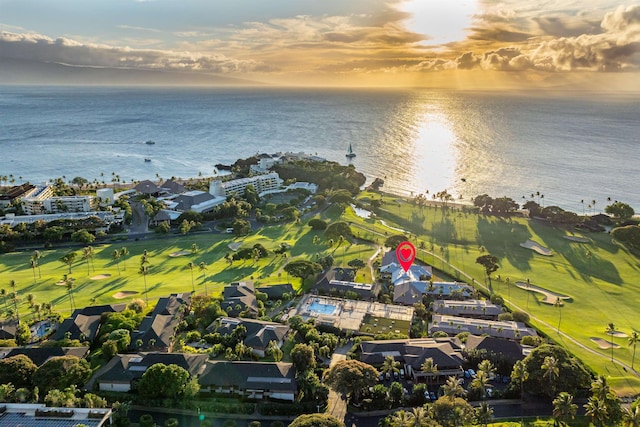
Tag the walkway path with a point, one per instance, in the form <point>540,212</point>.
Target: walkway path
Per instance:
<point>337,404</point>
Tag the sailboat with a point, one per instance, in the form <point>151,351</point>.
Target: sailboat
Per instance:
<point>350,154</point>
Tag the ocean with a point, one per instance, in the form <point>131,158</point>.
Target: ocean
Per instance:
<point>572,149</point>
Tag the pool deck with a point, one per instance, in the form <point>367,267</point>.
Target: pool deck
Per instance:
<point>348,314</point>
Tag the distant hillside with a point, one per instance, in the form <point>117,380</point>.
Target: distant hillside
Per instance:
<point>17,71</point>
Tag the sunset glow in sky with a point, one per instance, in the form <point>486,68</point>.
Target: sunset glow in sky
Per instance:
<point>435,43</point>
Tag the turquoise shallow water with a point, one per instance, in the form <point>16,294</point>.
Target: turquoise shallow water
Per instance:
<point>570,149</point>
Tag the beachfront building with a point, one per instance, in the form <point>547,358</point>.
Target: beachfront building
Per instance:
<point>261,183</point>
<point>105,196</point>
<point>107,217</point>
<point>15,193</point>
<point>453,325</point>
<point>33,203</point>
<point>479,309</point>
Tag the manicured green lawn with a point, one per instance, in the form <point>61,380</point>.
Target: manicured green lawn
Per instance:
<point>602,278</point>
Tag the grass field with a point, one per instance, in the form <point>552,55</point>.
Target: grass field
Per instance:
<point>601,277</point>
<point>382,325</point>
<point>167,273</point>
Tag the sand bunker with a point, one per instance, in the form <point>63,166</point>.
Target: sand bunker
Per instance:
<point>124,294</point>
<point>578,239</point>
<point>179,253</point>
<point>618,334</point>
<point>604,344</point>
<point>536,247</point>
<point>234,246</point>
<point>101,276</point>
<point>549,296</point>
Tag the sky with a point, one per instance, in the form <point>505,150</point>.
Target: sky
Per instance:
<point>509,44</point>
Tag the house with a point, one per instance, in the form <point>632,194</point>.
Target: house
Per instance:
<point>8,329</point>
<point>254,380</point>
<point>412,353</point>
<point>259,333</point>
<point>339,281</point>
<point>40,355</point>
<point>123,371</point>
<point>453,325</point>
<point>238,297</point>
<point>84,323</point>
<point>40,415</point>
<point>156,330</point>
<point>276,292</point>
<point>479,309</point>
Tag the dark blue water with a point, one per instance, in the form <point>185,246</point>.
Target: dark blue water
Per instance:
<point>567,148</point>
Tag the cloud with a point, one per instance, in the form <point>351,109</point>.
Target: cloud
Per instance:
<point>36,47</point>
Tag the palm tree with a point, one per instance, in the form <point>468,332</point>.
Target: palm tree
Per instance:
<point>481,382</point>
<point>34,264</point>
<point>601,389</point>
<point>558,303</point>
<point>597,410</point>
<point>400,418</point>
<point>68,284</point>
<point>487,367</point>
<point>195,248</point>
<point>551,371</point>
<point>389,366</point>
<point>87,256</point>
<point>453,387</point>
<point>631,414</point>
<point>418,417</point>
<point>69,259</point>
<point>116,257</point>
<point>144,270</point>
<point>611,330</point>
<point>203,269</point>
<point>13,296</point>
<point>484,414</point>
<point>190,266</point>
<point>521,374</point>
<point>563,408</point>
<point>3,293</point>
<point>37,255</point>
<point>633,340</point>
<point>429,368</point>
<point>123,253</point>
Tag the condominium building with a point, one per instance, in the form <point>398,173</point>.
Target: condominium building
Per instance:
<point>261,183</point>
<point>33,203</point>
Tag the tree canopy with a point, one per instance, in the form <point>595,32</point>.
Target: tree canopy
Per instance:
<point>61,372</point>
<point>316,420</point>
<point>619,210</point>
<point>571,373</point>
<point>164,381</point>
<point>302,268</point>
<point>17,370</point>
<point>351,377</point>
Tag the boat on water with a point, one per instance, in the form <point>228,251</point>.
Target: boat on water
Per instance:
<point>146,159</point>
<point>150,142</point>
<point>350,154</point>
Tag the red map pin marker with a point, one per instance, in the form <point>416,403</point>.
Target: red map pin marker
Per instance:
<point>406,253</point>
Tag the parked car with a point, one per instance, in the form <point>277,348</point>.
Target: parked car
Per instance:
<point>402,373</point>
<point>472,373</point>
<point>395,376</point>
<point>433,396</point>
<point>381,378</point>
<point>467,374</point>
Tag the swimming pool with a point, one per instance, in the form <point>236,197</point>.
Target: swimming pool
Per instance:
<point>321,308</point>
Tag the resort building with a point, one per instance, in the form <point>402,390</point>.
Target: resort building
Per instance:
<point>123,371</point>
<point>338,281</point>
<point>259,332</point>
<point>107,218</point>
<point>412,353</point>
<point>453,325</point>
<point>40,355</point>
<point>409,293</point>
<point>40,415</point>
<point>105,196</point>
<point>261,183</point>
<point>253,380</point>
<point>479,309</point>
<point>239,297</point>
<point>16,192</point>
<point>195,201</point>
<point>33,203</point>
